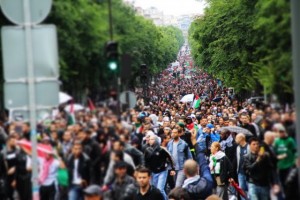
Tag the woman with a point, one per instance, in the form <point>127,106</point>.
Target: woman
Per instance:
<point>221,169</point>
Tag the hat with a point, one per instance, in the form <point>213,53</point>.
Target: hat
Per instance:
<point>167,128</point>
<point>92,190</point>
<point>181,124</point>
<point>210,126</point>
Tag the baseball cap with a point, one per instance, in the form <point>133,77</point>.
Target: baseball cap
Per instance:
<point>181,124</point>
<point>92,190</point>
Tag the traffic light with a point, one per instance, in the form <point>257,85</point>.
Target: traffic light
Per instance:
<point>144,73</point>
<point>112,55</point>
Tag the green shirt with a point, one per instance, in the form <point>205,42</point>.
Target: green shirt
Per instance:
<point>285,146</point>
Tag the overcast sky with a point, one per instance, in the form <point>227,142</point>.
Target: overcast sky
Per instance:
<point>173,7</point>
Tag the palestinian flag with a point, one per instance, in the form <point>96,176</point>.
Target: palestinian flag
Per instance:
<point>197,102</point>
<point>91,106</point>
<point>71,116</point>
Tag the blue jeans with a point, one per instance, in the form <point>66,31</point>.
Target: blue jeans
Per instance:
<point>242,183</point>
<point>159,181</point>
<point>75,192</point>
<point>258,192</point>
<point>180,177</point>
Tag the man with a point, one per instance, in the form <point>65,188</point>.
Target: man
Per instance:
<point>120,187</point>
<point>245,123</point>
<point>66,144</point>
<point>157,159</point>
<point>242,149</point>
<point>22,180</point>
<point>117,148</point>
<point>180,152</point>
<point>93,192</point>
<point>186,136</point>
<point>285,149</point>
<point>92,149</point>
<point>198,185</point>
<point>267,144</point>
<point>257,167</point>
<point>10,152</point>
<point>47,176</point>
<point>146,190</point>
<point>79,171</point>
<point>136,154</point>
<point>179,194</point>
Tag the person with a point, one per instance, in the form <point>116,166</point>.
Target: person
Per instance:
<point>79,171</point>
<point>199,183</point>
<point>92,150</point>
<point>146,190</point>
<point>180,152</point>
<point>285,149</point>
<point>242,149</point>
<point>179,193</point>
<point>3,175</point>
<point>221,168</point>
<point>119,188</point>
<point>213,197</point>
<point>92,192</point>
<point>157,159</point>
<point>267,144</point>
<point>10,152</point>
<point>117,154</point>
<point>22,180</point>
<point>47,176</point>
<point>257,167</point>
<point>245,123</point>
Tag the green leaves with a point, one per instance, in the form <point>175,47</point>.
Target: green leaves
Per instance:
<point>83,30</point>
<point>245,43</point>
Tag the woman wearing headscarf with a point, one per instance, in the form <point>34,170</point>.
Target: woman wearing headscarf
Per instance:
<point>221,169</point>
<point>157,159</point>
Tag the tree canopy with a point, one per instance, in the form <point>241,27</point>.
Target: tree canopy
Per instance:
<point>247,44</point>
<point>83,30</point>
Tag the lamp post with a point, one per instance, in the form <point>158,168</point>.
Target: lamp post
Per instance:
<point>295,12</point>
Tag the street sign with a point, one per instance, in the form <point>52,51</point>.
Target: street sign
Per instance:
<point>24,115</point>
<point>14,10</point>
<point>16,94</point>
<point>44,49</point>
<point>129,98</point>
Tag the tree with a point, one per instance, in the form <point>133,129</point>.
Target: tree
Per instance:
<point>239,41</point>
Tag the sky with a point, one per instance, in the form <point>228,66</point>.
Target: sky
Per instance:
<point>174,7</point>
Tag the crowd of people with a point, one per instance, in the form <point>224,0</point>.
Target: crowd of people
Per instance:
<point>164,148</point>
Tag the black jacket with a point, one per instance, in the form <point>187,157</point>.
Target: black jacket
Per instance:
<point>83,168</point>
<point>226,169</point>
<point>152,194</point>
<point>258,173</point>
<point>157,160</point>
<point>92,149</point>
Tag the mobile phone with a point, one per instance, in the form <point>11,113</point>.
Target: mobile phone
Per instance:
<point>262,150</point>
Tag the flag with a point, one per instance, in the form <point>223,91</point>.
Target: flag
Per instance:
<point>71,116</point>
<point>42,149</point>
<point>197,102</point>
<point>91,105</point>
